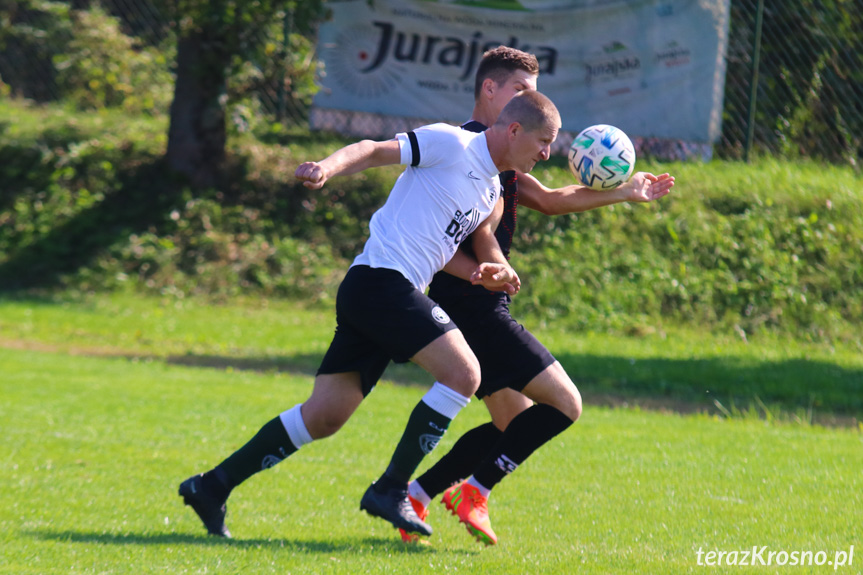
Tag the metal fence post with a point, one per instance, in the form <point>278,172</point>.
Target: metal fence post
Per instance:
<point>753,88</point>
<point>287,24</point>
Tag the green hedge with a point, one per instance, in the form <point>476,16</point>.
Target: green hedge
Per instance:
<point>771,245</point>
<point>87,204</point>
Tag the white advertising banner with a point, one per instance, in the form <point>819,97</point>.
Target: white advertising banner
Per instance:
<point>654,68</point>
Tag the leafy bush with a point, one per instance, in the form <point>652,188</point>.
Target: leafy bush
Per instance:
<point>92,208</point>
<point>751,255</point>
<point>212,249</point>
<point>103,67</point>
<point>32,32</point>
<point>272,80</point>
<point>82,56</point>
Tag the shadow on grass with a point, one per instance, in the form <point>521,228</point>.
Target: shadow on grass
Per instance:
<point>811,390</point>
<point>797,389</point>
<point>386,545</point>
<point>300,364</point>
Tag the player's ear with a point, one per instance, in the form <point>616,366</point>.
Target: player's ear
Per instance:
<point>489,87</point>
<point>513,130</point>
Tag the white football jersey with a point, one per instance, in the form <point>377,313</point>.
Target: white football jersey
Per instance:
<point>450,185</point>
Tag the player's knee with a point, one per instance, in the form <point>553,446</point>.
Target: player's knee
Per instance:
<point>569,403</point>
<point>325,427</point>
<point>465,381</point>
<point>473,378</point>
<point>574,411</point>
<point>466,385</point>
<point>324,423</point>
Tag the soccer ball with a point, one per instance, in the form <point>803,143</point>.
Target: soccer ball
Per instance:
<point>601,157</point>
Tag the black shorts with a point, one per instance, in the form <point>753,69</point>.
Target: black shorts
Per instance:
<point>508,354</point>
<point>380,316</point>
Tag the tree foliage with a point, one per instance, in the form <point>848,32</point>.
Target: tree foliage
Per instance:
<point>103,67</point>
<point>213,38</point>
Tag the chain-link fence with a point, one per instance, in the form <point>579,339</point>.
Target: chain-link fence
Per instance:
<point>794,82</point>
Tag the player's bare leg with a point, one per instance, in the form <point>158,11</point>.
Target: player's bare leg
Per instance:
<point>334,399</point>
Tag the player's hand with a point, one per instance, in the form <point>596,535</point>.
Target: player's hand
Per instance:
<point>646,187</point>
<point>312,175</point>
<point>496,277</point>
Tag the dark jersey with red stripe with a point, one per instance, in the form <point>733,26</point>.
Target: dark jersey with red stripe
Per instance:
<point>446,286</point>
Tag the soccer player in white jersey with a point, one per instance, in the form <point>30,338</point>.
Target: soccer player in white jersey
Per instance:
<point>449,191</point>
<point>517,370</point>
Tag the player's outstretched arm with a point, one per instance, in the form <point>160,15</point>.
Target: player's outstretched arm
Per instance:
<point>351,159</point>
<point>641,187</point>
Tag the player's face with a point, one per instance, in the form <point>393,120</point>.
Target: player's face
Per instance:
<point>517,82</point>
<point>531,147</point>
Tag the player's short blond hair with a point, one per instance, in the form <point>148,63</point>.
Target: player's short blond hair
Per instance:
<point>499,63</point>
<point>532,109</point>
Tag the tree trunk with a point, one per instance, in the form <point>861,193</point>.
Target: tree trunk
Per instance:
<point>196,136</point>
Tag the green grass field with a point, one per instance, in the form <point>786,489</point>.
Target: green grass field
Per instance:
<point>109,403</point>
<point>767,376</point>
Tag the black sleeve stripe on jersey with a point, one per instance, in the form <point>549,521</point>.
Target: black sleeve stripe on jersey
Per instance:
<point>415,149</point>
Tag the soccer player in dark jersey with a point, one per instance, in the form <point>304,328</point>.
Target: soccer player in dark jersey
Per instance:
<point>450,190</point>
<point>530,397</point>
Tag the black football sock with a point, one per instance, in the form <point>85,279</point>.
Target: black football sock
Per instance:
<point>461,460</point>
<point>525,434</point>
<point>268,447</point>
<point>424,429</point>
<point>428,422</point>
